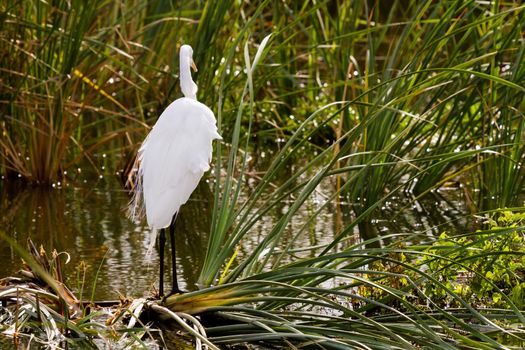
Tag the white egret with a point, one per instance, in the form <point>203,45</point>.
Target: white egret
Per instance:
<point>172,160</point>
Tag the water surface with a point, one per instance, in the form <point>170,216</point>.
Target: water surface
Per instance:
<point>88,221</point>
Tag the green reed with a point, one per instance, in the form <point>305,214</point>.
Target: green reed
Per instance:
<point>365,99</point>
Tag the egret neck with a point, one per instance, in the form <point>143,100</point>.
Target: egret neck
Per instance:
<point>188,87</point>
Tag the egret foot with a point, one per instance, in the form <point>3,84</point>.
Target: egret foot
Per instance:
<point>175,292</point>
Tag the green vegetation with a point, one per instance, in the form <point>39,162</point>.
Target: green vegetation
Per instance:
<point>365,99</point>
<point>487,267</point>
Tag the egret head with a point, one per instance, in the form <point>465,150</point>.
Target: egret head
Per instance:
<point>188,87</point>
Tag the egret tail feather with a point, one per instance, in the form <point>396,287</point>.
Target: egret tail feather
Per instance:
<point>152,240</point>
<point>136,207</point>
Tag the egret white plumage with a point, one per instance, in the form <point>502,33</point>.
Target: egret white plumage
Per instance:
<point>172,160</point>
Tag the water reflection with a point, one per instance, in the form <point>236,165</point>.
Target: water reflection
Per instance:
<point>90,224</point>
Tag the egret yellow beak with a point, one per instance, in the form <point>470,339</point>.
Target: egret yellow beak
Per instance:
<point>193,66</point>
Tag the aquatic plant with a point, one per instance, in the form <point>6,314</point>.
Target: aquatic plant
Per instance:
<point>63,95</point>
<point>403,133</point>
<point>367,102</point>
<point>412,77</point>
<point>357,298</point>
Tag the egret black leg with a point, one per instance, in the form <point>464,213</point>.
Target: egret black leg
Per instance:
<point>162,243</point>
<point>175,285</point>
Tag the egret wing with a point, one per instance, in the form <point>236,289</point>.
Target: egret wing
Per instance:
<point>174,158</point>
